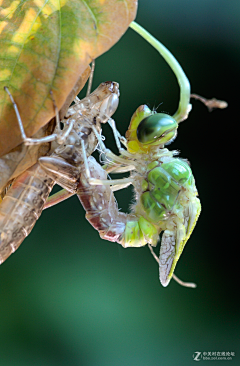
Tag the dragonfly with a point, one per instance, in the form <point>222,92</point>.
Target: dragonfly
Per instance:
<point>166,197</point>
<point>24,200</point>
<point>165,191</point>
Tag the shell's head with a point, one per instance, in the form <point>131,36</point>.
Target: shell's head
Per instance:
<point>149,129</point>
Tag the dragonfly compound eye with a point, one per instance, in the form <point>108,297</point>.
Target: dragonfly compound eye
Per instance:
<point>159,128</point>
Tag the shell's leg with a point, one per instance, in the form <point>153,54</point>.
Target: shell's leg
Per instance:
<point>59,135</point>
<point>58,197</point>
<point>90,80</point>
<point>173,241</point>
<point>63,173</point>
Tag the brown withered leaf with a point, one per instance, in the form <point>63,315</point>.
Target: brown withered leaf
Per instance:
<point>22,157</point>
<point>45,45</point>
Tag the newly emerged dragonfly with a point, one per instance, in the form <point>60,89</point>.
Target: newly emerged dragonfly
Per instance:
<point>164,185</point>
<point>165,191</point>
<point>24,201</point>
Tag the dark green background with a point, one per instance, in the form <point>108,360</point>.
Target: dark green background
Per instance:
<point>69,298</point>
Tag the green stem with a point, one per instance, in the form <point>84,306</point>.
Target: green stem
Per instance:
<point>184,106</point>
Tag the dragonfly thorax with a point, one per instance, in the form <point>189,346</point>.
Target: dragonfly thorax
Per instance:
<point>161,188</point>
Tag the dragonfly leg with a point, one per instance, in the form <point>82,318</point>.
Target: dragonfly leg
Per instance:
<point>120,186</point>
<point>119,139</point>
<point>118,169</point>
<point>109,153</point>
<point>116,133</point>
<point>111,182</point>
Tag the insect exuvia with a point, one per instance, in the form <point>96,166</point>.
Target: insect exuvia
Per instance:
<point>24,201</point>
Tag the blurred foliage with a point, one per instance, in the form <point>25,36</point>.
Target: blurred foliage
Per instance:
<point>68,297</point>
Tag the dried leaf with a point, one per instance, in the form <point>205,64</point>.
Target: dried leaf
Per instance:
<point>74,92</point>
<point>23,157</point>
<point>45,45</point>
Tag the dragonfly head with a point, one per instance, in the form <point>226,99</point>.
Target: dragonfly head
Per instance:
<point>148,129</point>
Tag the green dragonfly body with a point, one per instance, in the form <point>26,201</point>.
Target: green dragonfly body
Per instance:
<point>165,191</point>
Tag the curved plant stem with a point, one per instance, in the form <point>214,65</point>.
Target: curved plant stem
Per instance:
<point>184,106</point>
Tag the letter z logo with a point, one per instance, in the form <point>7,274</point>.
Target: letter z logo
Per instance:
<point>197,356</point>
